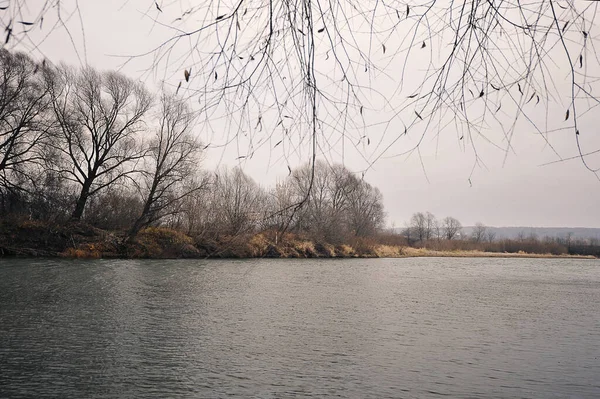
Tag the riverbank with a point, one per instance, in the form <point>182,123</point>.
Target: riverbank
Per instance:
<point>80,240</point>
<point>408,252</point>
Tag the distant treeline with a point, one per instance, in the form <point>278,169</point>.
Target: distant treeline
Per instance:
<point>519,233</point>
<point>424,230</point>
<point>83,145</point>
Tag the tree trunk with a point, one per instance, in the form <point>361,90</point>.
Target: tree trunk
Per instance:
<point>144,218</point>
<point>81,201</point>
<point>135,229</point>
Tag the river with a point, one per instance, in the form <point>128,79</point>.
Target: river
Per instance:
<point>354,328</point>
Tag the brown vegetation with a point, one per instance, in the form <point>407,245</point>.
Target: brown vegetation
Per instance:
<point>85,149</point>
<point>80,240</point>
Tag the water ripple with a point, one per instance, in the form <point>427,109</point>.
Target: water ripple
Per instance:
<point>404,328</point>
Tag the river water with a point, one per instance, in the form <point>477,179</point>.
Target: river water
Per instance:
<point>357,328</point>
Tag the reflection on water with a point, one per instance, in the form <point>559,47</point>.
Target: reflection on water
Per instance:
<point>383,328</point>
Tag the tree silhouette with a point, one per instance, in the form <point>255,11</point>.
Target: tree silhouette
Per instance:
<point>99,116</point>
<point>303,76</point>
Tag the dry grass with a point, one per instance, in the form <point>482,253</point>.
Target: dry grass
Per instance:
<point>345,251</point>
<point>258,246</point>
<point>294,246</point>
<point>305,248</point>
<point>388,251</point>
<point>86,251</point>
<point>424,252</point>
<point>161,242</point>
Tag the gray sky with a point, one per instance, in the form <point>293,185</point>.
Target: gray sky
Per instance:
<point>518,189</point>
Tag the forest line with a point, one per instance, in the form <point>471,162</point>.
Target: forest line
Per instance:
<point>80,147</point>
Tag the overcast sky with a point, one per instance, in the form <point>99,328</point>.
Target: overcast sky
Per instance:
<point>523,188</point>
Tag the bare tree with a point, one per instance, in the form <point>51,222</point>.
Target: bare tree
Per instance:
<point>365,212</point>
<point>24,120</point>
<point>344,194</point>
<point>337,204</point>
<point>451,227</point>
<point>438,233</point>
<point>431,224</point>
<point>237,202</point>
<point>280,204</point>
<point>313,190</point>
<point>174,155</point>
<point>479,232</point>
<point>408,233</point>
<point>422,225</point>
<point>418,226</point>
<point>99,116</point>
<point>195,213</point>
